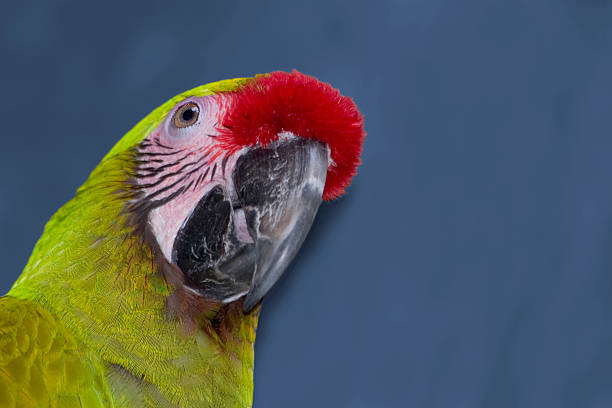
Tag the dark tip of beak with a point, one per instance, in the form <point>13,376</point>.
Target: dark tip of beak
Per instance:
<point>280,189</point>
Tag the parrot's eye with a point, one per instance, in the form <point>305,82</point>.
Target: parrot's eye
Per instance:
<point>186,115</point>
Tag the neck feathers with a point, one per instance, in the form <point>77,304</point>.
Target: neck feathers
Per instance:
<point>110,286</point>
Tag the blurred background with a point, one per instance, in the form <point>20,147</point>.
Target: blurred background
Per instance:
<point>470,264</point>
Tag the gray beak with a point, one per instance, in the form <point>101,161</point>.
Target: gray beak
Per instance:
<point>276,194</point>
<point>280,189</point>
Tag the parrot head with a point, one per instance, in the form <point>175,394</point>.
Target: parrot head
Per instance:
<point>159,262</point>
<point>226,184</point>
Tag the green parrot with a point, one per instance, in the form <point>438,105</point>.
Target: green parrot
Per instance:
<point>144,289</point>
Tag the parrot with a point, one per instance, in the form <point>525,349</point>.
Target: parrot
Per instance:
<point>144,290</point>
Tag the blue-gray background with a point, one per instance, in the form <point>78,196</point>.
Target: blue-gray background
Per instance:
<point>469,265</point>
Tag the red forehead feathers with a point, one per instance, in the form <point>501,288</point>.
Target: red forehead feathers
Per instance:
<point>294,102</point>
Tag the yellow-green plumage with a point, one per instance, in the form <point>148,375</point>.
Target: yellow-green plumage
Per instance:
<point>87,323</point>
<point>42,364</point>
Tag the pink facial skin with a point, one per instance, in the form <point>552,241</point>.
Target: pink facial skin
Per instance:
<point>180,165</point>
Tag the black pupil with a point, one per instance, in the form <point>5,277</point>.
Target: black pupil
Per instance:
<point>188,114</point>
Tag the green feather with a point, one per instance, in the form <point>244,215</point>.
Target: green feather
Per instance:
<point>91,286</point>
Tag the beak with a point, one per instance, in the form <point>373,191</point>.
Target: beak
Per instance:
<point>280,189</point>
<point>238,244</point>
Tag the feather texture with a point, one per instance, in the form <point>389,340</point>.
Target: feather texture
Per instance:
<point>100,317</point>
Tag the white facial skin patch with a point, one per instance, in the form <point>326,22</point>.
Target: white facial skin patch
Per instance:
<point>182,165</point>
